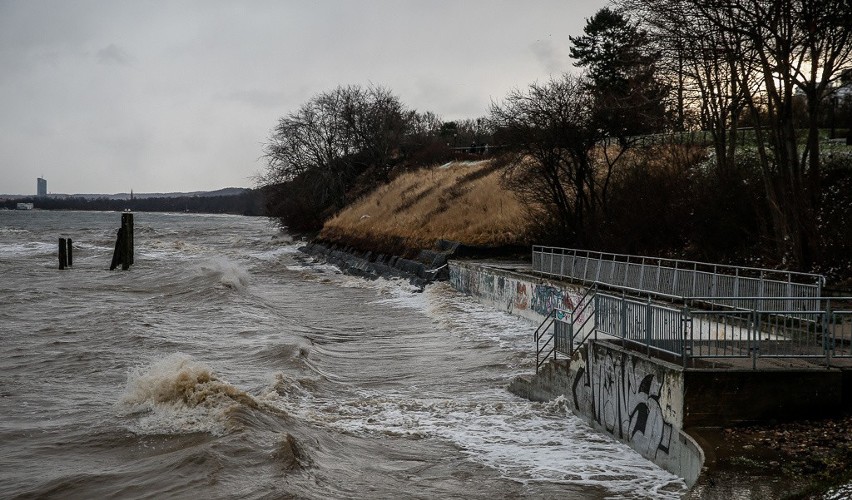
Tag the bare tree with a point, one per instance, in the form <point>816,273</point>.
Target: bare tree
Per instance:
<point>335,140</point>
<point>761,56</point>
<point>552,134</point>
<point>700,66</point>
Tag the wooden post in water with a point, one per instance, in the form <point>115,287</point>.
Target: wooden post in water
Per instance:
<point>127,224</point>
<point>117,253</point>
<point>63,257</point>
<point>123,253</point>
<point>70,253</point>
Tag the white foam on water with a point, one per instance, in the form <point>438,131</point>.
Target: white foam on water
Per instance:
<point>168,249</point>
<point>27,249</point>
<point>178,395</point>
<point>397,293</point>
<point>225,272</point>
<point>464,314</point>
<point>524,441</point>
<point>275,254</point>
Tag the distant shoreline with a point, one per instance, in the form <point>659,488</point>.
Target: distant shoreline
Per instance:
<point>235,201</point>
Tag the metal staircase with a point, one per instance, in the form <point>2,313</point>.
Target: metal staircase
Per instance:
<point>561,329</point>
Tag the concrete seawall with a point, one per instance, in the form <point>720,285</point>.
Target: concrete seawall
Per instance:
<point>512,291</point>
<point>637,400</point>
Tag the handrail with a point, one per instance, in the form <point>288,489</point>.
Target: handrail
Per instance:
<point>822,333</point>
<point>679,279</point>
<point>537,335</point>
<point>636,259</point>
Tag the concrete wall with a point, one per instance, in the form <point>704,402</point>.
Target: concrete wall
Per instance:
<point>622,393</point>
<point>513,292</point>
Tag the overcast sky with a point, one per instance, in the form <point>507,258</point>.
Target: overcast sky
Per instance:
<point>105,96</point>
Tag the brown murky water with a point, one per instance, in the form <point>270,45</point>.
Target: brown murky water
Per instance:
<point>224,364</point>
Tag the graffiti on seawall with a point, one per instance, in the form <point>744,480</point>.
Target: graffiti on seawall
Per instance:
<point>624,400</point>
<point>546,298</point>
<point>511,293</point>
<point>522,298</point>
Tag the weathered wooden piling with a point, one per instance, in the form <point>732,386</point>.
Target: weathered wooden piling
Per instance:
<point>70,253</point>
<point>123,253</point>
<point>127,224</point>
<point>63,255</point>
<point>117,253</point>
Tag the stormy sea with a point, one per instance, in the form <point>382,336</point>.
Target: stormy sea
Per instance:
<point>227,364</point>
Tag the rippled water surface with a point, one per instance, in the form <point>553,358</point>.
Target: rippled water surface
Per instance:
<point>225,364</point>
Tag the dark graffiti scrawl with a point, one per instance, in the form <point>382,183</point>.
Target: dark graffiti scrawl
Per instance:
<point>624,400</point>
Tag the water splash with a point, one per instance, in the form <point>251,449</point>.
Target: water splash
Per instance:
<point>226,273</point>
<point>178,395</point>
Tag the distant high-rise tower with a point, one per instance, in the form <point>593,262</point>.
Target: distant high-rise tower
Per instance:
<point>42,187</point>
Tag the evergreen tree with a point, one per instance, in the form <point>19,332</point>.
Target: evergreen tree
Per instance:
<point>629,99</point>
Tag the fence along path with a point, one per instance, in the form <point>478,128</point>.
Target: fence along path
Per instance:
<point>750,313</point>
<point>737,287</point>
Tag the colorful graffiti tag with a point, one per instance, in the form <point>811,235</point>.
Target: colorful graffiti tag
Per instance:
<point>546,298</point>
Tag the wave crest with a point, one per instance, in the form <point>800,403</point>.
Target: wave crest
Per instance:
<point>179,395</point>
<point>226,273</point>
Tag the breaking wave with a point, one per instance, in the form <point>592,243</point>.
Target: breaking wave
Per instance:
<point>178,395</point>
<point>225,273</point>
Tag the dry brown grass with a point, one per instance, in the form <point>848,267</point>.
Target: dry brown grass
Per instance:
<point>460,201</point>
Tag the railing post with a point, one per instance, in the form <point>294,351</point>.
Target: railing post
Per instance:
<point>673,290</point>
<point>598,273</point>
<point>648,325</point>
<point>642,275</point>
<point>789,289</point>
<point>552,253</point>
<point>756,350</point>
<point>536,337</point>
<point>612,272</point>
<point>694,277</point>
<point>828,334</point>
<point>659,269</point>
<point>623,317</point>
<point>571,334</point>
<point>736,286</point>
<point>686,346</point>
<point>715,287</point>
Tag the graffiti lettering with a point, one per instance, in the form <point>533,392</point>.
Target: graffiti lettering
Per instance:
<point>623,400</point>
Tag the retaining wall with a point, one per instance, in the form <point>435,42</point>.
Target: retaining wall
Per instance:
<point>513,292</point>
<point>637,400</point>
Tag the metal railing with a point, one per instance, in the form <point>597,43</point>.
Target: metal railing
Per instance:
<point>560,330</point>
<point>641,322</point>
<point>674,279</point>
<point>819,335</point>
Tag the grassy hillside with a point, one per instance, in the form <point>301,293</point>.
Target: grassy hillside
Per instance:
<point>460,201</point>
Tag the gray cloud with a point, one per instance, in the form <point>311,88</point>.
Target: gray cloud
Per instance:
<point>552,57</point>
<point>113,54</point>
<point>202,82</point>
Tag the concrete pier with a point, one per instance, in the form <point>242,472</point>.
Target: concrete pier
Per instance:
<point>652,403</point>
